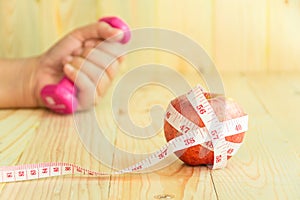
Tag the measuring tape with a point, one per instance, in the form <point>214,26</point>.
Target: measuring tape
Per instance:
<point>212,136</point>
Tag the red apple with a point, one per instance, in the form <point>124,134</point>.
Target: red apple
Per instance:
<point>225,109</point>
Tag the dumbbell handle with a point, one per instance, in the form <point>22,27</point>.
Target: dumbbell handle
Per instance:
<point>61,97</point>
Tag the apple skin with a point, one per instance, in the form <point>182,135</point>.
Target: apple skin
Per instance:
<point>225,109</point>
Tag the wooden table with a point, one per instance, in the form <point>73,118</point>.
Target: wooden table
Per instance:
<point>266,167</point>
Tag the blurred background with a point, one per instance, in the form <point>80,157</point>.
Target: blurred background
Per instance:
<point>239,35</point>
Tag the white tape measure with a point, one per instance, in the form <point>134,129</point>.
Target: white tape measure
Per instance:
<point>212,138</point>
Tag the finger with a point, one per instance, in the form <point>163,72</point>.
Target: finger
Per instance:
<point>96,74</point>
<point>91,43</point>
<point>113,48</point>
<point>114,53</point>
<point>113,70</point>
<point>98,30</point>
<point>107,62</point>
<point>77,62</point>
<point>78,51</point>
<point>67,59</point>
<point>85,87</point>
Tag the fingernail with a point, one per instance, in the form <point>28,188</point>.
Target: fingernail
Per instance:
<point>117,37</point>
<point>69,67</point>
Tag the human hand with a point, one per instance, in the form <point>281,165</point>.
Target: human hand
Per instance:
<point>83,61</point>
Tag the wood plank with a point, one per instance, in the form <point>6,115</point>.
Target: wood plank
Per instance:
<point>263,168</point>
<point>284,28</point>
<point>17,130</point>
<point>266,165</point>
<point>278,93</point>
<point>30,27</point>
<point>177,181</point>
<point>240,35</point>
<point>56,140</point>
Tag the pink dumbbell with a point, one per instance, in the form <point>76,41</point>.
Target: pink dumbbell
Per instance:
<point>61,98</point>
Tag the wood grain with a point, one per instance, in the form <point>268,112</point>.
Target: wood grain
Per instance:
<point>266,166</point>
<point>259,35</point>
<point>269,159</point>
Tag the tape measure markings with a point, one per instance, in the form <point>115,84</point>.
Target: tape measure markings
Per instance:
<point>230,126</point>
<point>175,119</point>
<point>211,122</point>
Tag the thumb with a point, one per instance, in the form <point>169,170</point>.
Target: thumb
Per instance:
<point>98,30</point>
